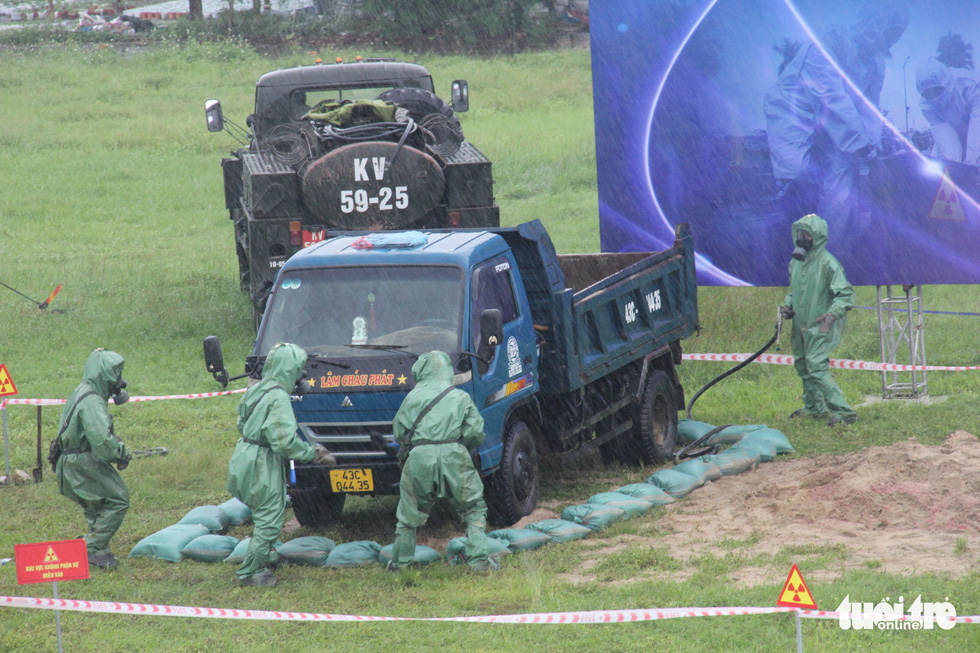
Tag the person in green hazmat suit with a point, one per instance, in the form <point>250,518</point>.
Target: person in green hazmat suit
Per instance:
<point>89,447</point>
<point>437,426</point>
<point>257,471</point>
<point>818,300</point>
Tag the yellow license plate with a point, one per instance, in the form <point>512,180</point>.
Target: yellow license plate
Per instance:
<point>351,480</point>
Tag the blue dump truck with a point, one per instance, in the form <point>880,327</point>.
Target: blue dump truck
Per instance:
<point>562,354</point>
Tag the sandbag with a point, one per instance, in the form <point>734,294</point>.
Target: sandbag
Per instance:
<point>734,433</point>
<point>237,556</point>
<point>238,513</point>
<point>778,438</point>
<point>595,516</point>
<point>560,530</point>
<point>210,548</point>
<point>700,468</point>
<point>351,554</point>
<point>166,544</point>
<point>424,555</point>
<point>675,483</point>
<point>648,492</point>
<point>732,462</point>
<point>765,448</point>
<point>520,539</point>
<point>455,548</point>
<point>213,517</point>
<point>309,551</point>
<point>632,506</point>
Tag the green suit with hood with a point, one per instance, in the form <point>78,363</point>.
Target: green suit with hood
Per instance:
<point>817,286</point>
<point>89,446</point>
<point>257,471</point>
<point>438,465</point>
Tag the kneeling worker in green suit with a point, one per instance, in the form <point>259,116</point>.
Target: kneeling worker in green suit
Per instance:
<point>257,471</point>
<point>437,427</point>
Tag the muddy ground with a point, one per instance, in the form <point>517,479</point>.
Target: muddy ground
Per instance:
<point>906,509</point>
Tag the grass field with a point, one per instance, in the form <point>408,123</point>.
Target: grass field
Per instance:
<point>112,186</point>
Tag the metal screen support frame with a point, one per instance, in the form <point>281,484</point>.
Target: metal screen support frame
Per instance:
<point>900,327</point>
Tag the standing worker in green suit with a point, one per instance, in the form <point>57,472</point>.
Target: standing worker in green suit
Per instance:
<point>257,471</point>
<point>437,427</point>
<point>89,446</point>
<point>818,300</point>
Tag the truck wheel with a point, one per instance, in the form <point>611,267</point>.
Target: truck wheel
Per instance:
<point>653,438</point>
<point>512,491</point>
<point>419,103</point>
<point>316,507</point>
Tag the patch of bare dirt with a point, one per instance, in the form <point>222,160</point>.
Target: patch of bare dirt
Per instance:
<point>907,508</point>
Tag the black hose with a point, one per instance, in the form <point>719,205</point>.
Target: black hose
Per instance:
<point>732,371</point>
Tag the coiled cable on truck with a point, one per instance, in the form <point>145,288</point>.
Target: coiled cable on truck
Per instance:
<point>331,136</point>
<point>290,143</point>
<point>442,135</point>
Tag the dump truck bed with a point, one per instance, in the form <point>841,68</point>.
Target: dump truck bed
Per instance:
<point>596,313</point>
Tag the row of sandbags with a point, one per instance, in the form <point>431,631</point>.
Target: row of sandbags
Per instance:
<point>198,534</point>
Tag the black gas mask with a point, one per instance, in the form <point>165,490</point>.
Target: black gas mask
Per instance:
<point>301,385</point>
<point>118,390</point>
<point>804,243</point>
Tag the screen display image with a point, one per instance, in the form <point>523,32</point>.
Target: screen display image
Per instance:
<point>741,116</point>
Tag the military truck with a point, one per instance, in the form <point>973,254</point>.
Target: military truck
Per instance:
<point>360,145</point>
<point>562,354</point>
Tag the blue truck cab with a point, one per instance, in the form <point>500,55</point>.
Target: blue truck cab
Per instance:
<point>561,354</point>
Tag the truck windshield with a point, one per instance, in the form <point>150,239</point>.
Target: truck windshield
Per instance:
<point>359,311</point>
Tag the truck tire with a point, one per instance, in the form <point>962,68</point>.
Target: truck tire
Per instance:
<point>512,491</point>
<point>420,103</point>
<point>316,507</point>
<point>653,437</point>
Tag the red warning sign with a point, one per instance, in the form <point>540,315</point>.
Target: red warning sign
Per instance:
<point>7,386</point>
<point>795,593</point>
<point>47,562</point>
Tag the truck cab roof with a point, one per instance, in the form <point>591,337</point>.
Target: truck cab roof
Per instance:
<point>343,75</point>
<point>400,248</point>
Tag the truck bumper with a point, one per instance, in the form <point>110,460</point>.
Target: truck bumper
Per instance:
<point>384,478</point>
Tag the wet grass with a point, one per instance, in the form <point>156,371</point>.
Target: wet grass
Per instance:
<point>112,186</point>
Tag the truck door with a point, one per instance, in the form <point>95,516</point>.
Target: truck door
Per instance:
<point>509,376</point>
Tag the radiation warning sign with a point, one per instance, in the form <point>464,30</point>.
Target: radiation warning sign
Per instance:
<point>7,386</point>
<point>47,562</point>
<point>795,593</point>
<point>947,204</point>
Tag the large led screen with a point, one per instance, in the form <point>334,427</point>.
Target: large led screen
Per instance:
<point>741,116</point>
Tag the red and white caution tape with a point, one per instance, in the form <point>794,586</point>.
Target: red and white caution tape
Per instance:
<point>582,617</point>
<point>58,402</point>
<point>840,363</point>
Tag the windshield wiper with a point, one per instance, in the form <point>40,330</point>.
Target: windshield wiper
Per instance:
<point>392,348</point>
<point>321,359</point>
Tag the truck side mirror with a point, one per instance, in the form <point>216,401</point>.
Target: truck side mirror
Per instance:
<point>460,96</point>
<point>216,120</point>
<point>214,361</point>
<point>491,335</point>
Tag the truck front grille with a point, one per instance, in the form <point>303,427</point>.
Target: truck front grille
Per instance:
<point>349,441</point>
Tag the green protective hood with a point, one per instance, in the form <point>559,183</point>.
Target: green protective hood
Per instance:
<point>433,369</point>
<point>816,227</point>
<point>101,370</point>
<point>284,365</point>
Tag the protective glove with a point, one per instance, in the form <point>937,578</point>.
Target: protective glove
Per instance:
<point>867,154</point>
<point>321,456</point>
<point>826,321</point>
<point>477,463</point>
<point>403,452</point>
<point>786,312</point>
<point>123,463</point>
